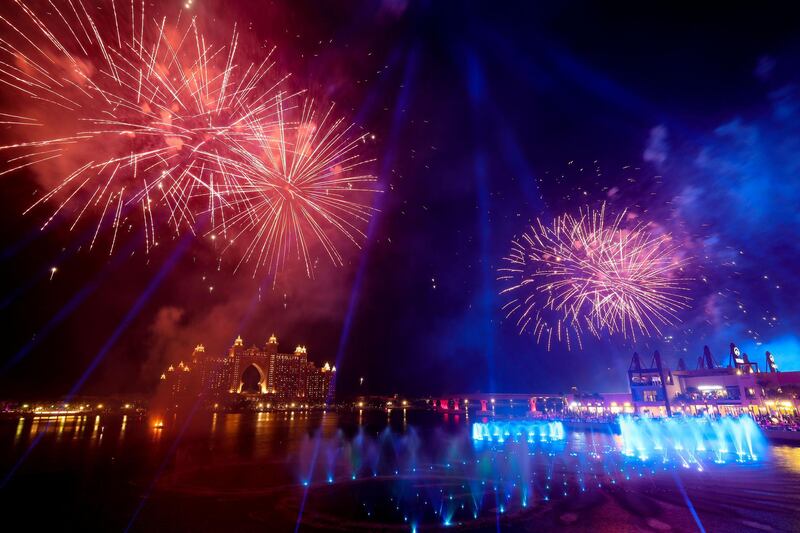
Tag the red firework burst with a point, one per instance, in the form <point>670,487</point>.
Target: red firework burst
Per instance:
<point>128,112</point>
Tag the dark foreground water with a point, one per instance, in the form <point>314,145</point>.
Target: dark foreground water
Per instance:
<point>371,472</point>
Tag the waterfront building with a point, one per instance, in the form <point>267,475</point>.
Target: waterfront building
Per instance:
<point>262,374</point>
<point>288,375</point>
<point>177,384</point>
<point>250,367</point>
<point>656,390</point>
<point>738,388</point>
<point>320,382</point>
<point>216,372</point>
<point>600,404</point>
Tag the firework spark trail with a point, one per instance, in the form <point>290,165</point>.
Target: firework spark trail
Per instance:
<point>590,274</point>
<point>151,108</point>
<point>301,182</point>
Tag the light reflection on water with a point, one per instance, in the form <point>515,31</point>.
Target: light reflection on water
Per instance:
<point>359,470</point>
<point>787,457</point>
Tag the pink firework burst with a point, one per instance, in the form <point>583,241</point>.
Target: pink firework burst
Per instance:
<point>588,273</point>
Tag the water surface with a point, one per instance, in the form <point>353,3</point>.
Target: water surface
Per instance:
<point>372,471</point>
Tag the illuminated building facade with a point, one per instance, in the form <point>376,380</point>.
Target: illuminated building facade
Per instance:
<point>740,387</point>
<point>320,383</point>
<point>216,373</point>
<point>650,384</point>
<point>250,366</point>
<point>288,375</point>
<point>656,390</point>
<point>180,381</point>
<point>279,378</point>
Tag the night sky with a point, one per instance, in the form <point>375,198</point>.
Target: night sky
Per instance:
<point>485,117</point>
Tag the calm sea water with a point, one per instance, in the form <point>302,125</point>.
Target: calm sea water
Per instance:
<point>369,472</point>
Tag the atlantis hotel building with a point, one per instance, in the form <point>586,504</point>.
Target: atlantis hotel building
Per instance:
<point>261,374</point>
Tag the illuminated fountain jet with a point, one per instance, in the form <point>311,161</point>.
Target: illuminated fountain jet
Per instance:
<point>691,440</point>
<point>518,431</point>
